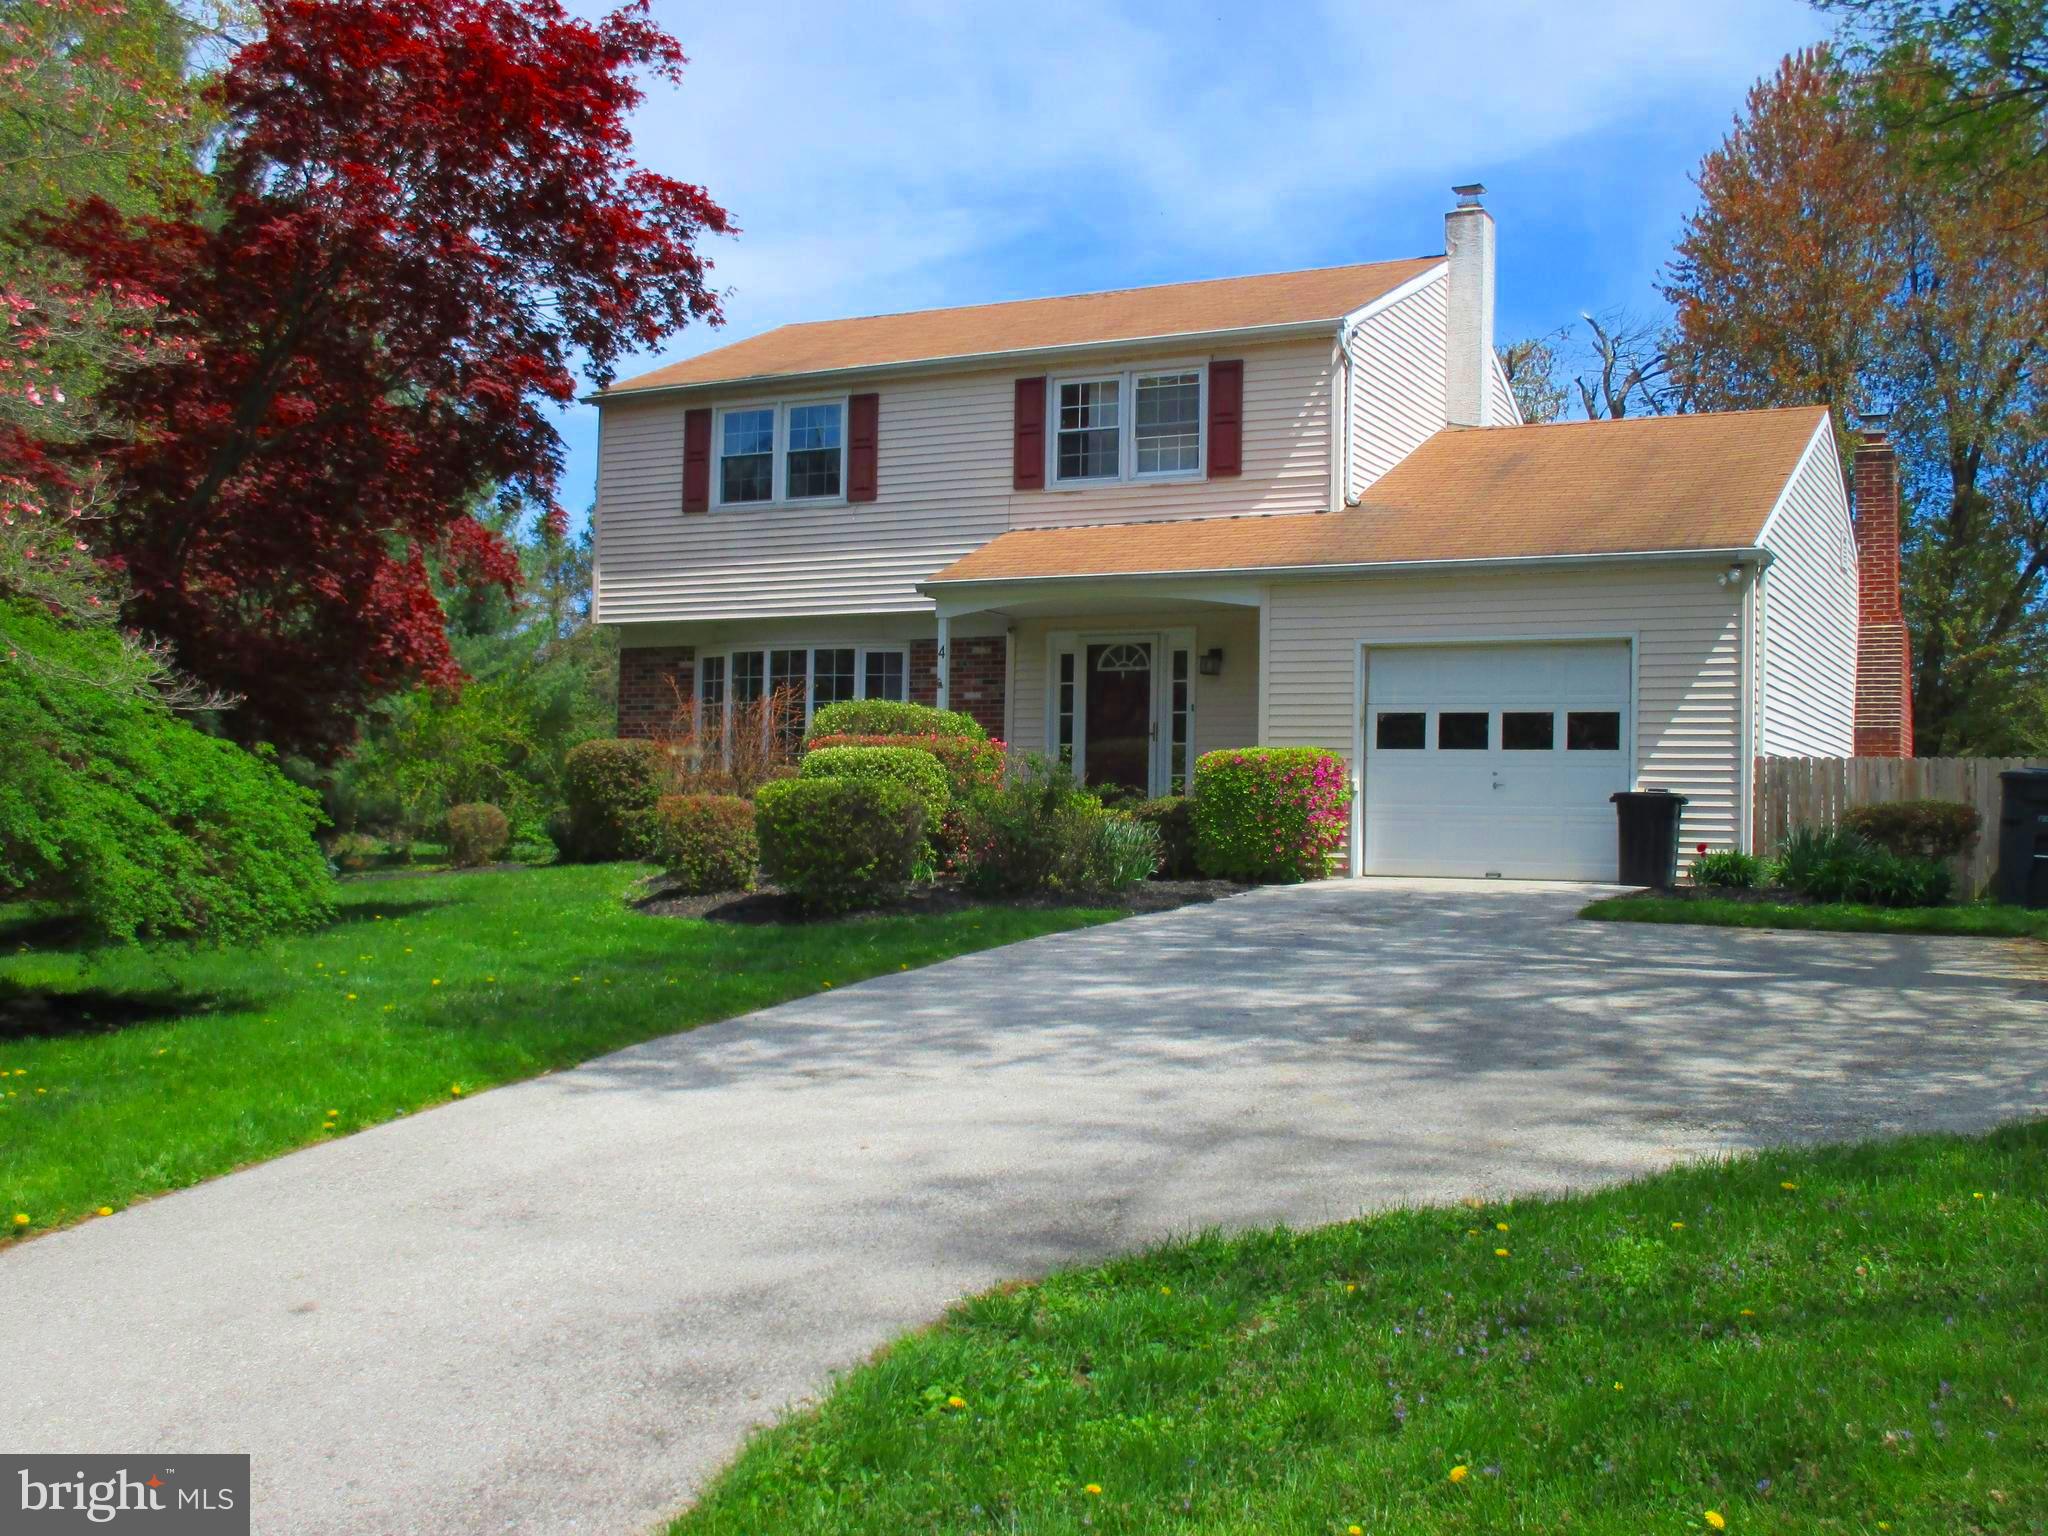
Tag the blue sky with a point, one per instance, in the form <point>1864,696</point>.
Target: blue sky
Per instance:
<point>888,156</point>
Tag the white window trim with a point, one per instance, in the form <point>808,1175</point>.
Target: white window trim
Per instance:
<point>779,455</point>
<point>1127,426</point>
<point>810,649</point>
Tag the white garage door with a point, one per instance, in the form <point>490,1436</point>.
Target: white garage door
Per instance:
<point>1495,760</point>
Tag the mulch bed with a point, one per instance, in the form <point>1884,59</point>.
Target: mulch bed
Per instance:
<point>772,905</point>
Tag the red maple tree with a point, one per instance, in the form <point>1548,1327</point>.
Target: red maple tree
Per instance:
<point>422,214</point>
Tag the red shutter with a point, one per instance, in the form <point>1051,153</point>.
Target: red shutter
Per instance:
<point>1226,419</point>
<point>1027,470</point>
<point>697,461</point>
<point>863,412</point>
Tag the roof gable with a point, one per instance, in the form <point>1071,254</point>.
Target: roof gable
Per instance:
<point>978,330</point>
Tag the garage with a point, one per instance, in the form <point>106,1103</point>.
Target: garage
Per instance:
<point>1495,760</point>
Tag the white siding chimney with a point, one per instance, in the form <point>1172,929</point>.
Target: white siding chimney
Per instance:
<point>1468,339</point>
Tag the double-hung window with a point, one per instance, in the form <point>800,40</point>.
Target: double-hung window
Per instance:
<point>1139,425</point>
<point>791,451</point>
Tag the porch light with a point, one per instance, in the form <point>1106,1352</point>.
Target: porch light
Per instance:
<point>1212,663</point>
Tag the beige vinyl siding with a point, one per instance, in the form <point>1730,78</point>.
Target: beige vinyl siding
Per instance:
<point>1807,615</point>
<point>1226,706</point>
<point>1397,382</point>
<point>943,471</point>
<point>1505,412</point>
<point>1688,663</point>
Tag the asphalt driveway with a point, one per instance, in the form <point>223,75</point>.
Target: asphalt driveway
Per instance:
<point>558,1306</point>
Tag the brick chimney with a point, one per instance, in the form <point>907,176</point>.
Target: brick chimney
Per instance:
<point>1884,662</point>
<point>1468,321</point>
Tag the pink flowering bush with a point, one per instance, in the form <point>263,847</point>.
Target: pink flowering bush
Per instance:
<point>1275,814</point>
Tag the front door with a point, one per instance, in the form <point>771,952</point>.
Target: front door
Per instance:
<point>1119,715</point>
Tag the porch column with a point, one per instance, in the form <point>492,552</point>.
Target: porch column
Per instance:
<point>945,689</point>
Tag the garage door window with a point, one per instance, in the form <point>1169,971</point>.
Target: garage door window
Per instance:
<point>1597,730</point>
<point>1400,731</point>
<point>1524,730</point>
<point>1463,730</point>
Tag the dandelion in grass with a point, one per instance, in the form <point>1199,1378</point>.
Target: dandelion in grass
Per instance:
<point>956,1402</point>
<point>1460,1472</point>
<point>1977,1195</point>
<point>1786,1184</point>
<point>1617,1386</point>
<point>351,997</point>
<point>21,1218</point>
<point>1500,1253</point>
<point>456,1089</point>
<point>1713,1518</point>
<point>1093,1490</point>
<point>1500,1226</point>
<point>1354,1530</point>
<point>1166,1290</point>
<point>105,1210</point>
<point>437,981</point>
<point>1678,1226</point>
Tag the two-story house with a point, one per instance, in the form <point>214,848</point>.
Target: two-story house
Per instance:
<point>1131,527</point>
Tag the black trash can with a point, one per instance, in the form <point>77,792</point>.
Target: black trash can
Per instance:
<point>1649,836</point>
<point>2023,838</point>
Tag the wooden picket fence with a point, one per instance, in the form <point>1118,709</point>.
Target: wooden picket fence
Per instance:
<point>1796,792</point>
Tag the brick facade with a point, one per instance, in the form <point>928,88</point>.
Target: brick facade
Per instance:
<point>1884,659</point>
<point>653,680</point>
<point>979,677</point>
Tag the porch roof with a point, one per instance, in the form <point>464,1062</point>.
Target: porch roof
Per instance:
<point>1660,485</point>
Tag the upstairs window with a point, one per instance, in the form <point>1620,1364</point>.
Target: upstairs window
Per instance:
<point>1128,426</point>
<point>1090,432</point>
<point>746,456</point>
<point>813,454</point>
<point>1169,427</point>
<point>794,451</point>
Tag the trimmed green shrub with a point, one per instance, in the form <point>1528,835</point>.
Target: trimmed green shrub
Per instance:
<point>477,834</point>
<point>838,844</point>
<point>1918,829</point>
<point>971,764</point>
<point>1173,817</point>
<point>1730,869</point>
<point>705,843</point>
<point>610,787</point>
<point>915,770</point>
<point>1038,832</point>
<point>887,717</point>
<point>1127,852</point>
<point>147,826</point>
<point>1269,813</point>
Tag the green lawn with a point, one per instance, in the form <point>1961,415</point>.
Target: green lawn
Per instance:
<point>193,1062</point>
<point>1845,1340</point>
<point>1980,919</point>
